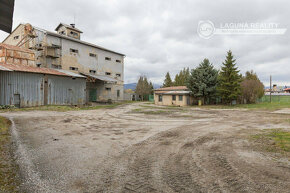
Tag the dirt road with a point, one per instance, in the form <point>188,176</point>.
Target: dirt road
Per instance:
<point>135,148</point>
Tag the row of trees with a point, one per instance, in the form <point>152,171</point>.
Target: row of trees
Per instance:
<point>208,84</point>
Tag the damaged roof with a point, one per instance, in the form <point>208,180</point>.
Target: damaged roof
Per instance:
<point>31,69</point>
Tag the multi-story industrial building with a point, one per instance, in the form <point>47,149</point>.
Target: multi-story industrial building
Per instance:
<point>65,50</point>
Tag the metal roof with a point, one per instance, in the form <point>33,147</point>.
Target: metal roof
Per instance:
<point>72,74</point>
<point>24,68</point>
<point>172,88</point>
<point>181,92</point>
<point>101,77</point>
<point>2,68</point>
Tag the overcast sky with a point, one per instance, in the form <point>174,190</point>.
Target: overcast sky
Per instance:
<point>159,36</point>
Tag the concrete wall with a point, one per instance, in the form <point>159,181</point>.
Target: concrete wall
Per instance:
<point>30,88</point>
<point>167,100</point>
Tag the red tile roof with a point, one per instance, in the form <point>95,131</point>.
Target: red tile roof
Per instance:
<point>23,68</point>
<point>10,47</point>
<point>172,88</point>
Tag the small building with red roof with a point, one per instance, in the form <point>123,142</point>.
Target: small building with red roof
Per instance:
<point>173,96</point>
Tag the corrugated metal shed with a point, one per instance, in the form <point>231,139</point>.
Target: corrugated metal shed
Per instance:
<point>26,86</point>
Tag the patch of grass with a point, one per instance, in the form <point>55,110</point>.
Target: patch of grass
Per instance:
<point>275,140</point>
<point>67,108</point>
<point>263,106</point>
<point>8,169</point>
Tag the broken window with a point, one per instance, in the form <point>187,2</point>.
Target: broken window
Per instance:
<point>180,98</point>
<point>93,55</point>
<point>160,98</point>
<point>16,37</point>
<point>108,73</point>
<point>174,97</point>
<point>92,71</point>
<point>73,68</point>
<point>74,51</point>
<point>108,58</point>
<point>119,75</point>
<point>119,61</point>
<point>108,88</point>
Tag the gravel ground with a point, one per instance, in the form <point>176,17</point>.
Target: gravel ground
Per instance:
<point>124,150</point>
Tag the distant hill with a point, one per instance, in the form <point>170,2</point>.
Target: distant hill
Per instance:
<point>133,86</point>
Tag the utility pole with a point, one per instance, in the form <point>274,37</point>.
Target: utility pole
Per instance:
<point>270,88</point>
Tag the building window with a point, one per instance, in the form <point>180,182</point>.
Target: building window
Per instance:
<point>74,33</point>
<point>16,37</point>
<point>107,58</point>
<point>56,66</point>
<point>92,71</point>
<point>174,97</point>
<point>180,98</point>
<point>108,73</point>
<point>62,32</point>
<point>93,55</point>
<point>119,75</point>
<point>73,68</point>
<point>118,93</point>
<point>119,61</point>
<point>38,65</point>
<point>160,98</point>
<point>108,89</point>
<point>74,51</point>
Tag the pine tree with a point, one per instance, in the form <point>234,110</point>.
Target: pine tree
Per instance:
<point>182,77</point>
<point>144,88</point>
<point>203,81</point>
<point>229,80</point>
<point>167,81</point>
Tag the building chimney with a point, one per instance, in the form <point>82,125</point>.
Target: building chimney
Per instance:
<point>73,25</point>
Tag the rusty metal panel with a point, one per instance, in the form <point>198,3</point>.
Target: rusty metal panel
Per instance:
<point>26,85</point>
<point>66,90</point>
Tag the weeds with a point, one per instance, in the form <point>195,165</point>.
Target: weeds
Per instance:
<point>8,175</point>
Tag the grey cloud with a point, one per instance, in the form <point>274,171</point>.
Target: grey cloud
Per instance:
<point>159,36</point>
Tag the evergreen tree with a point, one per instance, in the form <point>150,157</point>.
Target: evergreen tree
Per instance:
<point>167,81</point>
<point>151,88</point>
<point>229,80</point>
<point>182,77</point>
<point>144,88</point>
<point>203,81</point>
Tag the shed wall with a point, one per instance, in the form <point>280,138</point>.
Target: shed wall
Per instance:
<point>27,85</point>
<point>30,87</point>
<point>66,90</point>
